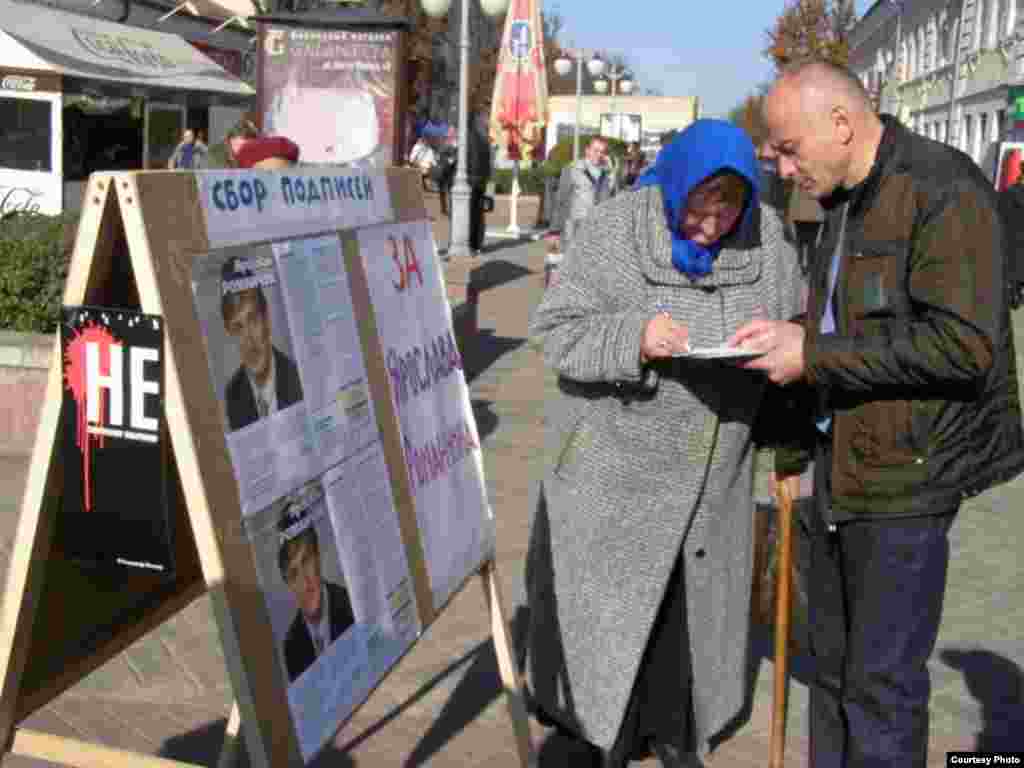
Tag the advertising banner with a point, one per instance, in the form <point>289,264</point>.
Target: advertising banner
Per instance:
<point>519,105</point>
<point>334,92</point>
<point>1015,102</point>
<point>114,506</point>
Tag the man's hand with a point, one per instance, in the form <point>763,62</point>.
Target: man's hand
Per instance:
<point>782,344</point>
<point>663,337</point>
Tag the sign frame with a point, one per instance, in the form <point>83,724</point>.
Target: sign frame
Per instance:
<point>123,257</point>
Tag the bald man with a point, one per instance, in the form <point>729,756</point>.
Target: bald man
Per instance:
<point>907,353</point>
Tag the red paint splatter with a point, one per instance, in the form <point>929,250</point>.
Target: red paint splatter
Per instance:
<point>74,380</point>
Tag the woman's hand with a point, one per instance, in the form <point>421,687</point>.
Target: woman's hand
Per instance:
<point>663,337</point>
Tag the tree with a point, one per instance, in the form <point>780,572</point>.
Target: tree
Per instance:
<point>748,115</point>
<point>423,31</point>
<point>811,29</point>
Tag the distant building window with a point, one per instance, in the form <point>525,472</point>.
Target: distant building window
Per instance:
<point>981,142</point>
<point>25,132</point>
<point>922,51</point>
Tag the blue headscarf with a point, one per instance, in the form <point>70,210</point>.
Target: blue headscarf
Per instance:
<point>705,148</point>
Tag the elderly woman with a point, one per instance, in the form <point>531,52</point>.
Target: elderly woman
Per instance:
<point>639,565</point>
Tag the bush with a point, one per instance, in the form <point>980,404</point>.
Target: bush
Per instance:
<point>33,267</point>
<point>531,181</point>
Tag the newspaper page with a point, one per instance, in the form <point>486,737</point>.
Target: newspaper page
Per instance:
<point>337,591</point>
<point>317,505</point>
<point>317,296</point>
<point>241,308</point>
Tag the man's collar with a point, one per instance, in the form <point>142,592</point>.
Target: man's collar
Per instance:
<point>322,627</point>
<point>863,191</point>
<point>271,382</point>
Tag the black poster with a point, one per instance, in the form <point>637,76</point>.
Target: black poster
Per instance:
<point>115,447</point>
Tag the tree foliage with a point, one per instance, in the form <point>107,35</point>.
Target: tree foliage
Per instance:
<point>749,116</point>
<point>811,29</point>
<point>423,31</point>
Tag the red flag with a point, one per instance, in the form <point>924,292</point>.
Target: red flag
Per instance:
<point>519,107</point>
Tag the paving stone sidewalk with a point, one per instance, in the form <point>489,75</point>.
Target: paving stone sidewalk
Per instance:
<point>170,694</point>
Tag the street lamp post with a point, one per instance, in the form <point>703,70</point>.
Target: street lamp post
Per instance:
<point>615,74</point>
<point>563,65</point>
<point>458,245</point>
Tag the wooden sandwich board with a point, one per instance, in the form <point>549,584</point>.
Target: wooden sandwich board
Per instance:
<point>384,426</point>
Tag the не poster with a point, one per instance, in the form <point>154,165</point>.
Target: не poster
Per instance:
<point>114,505</point>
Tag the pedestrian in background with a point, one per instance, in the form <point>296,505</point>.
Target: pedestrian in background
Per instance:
<point>479,169</point>
<point>222,153</point>
<point>423,157</point>
<point>639,565</point>
<point>1011,206</point>
<point>443,174</point>
<point>632,165</point>
<point>270,153</point>
<point>582,185</point>
<point>908,350</point>
<point>188,155</point>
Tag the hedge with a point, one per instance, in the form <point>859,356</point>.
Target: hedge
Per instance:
<point>531,181</point>
<point>33,267</point>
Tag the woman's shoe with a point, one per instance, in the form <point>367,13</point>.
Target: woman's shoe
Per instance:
<point>670,757</point>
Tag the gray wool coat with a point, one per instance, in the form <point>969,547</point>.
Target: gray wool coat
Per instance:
<point>645,463</point>
<point>577,196</point>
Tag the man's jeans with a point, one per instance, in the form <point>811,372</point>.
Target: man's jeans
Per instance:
<point>875,601</point>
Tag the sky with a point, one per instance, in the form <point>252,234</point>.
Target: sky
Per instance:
<point>712,50</point>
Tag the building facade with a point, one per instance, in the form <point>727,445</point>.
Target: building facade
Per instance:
<point>628,117</point>
<point>947,68</point>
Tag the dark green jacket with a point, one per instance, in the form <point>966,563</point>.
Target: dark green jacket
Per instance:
<point>920,375</point>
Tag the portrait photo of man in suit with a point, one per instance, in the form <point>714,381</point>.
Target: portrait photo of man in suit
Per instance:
<point>324,610</point>
<point>267,380</point>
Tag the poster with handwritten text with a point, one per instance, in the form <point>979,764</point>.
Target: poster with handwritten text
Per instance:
<point>428,388</point>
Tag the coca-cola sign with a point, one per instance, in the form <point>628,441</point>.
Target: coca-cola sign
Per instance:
<point>137,53</point>
<point>18,83</point>
<point>19,200</point>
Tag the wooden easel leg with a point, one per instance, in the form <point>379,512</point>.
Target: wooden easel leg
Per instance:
<point>83,754</point>
<point>229,750</point>
<point>506,666</point>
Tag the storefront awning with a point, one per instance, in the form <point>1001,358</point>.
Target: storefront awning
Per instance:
<point>45,39</point>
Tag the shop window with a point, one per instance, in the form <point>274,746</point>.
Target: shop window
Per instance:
<point>108,139</point>
<point>25,133</point>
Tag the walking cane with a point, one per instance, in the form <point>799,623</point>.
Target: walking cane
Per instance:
<point>783,582</point>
